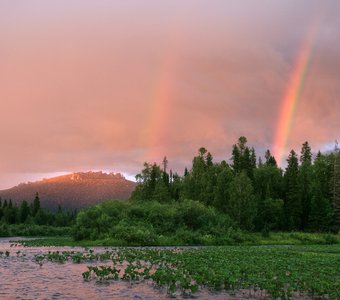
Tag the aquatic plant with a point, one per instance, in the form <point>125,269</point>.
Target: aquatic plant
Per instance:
<point>265,271</point>
<point>280,272</point>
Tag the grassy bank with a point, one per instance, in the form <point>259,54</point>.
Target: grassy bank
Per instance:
<point>32,230</point>
<point>236,238</point>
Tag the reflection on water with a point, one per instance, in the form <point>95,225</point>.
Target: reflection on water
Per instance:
<point>22,278</point>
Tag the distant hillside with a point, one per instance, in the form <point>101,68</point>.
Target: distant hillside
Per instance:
<point>73,191</point>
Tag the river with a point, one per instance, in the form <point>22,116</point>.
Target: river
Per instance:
<point>21,277</point>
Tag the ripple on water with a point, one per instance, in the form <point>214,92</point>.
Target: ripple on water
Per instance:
<point>22,278</point>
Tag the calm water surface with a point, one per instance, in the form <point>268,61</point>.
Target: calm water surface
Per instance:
<point>22,278</point>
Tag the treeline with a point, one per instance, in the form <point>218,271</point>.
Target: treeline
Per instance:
<point>33,214</point>
<point>255,194</point>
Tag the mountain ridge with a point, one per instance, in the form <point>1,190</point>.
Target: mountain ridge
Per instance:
<point>73,191</point>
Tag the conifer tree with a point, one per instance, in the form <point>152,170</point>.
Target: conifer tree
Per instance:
<point>268,188</point>
<point>243,158</point>
<point>305,173</point>
<point>253,158</point>
<point>199,166</point>
<point>10,212</point>
<point>320,218</point>
<point>176,187</point>
<point>335,188</point>
<point>292,201</point>
<point>1,209</point>
<point>24,211</point>
<point>36,205</point>
<point>270,160</point>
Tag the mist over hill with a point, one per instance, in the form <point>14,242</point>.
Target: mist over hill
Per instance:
<point>73,191</point>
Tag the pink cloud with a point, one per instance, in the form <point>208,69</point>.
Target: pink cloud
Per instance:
<point>78,81</point>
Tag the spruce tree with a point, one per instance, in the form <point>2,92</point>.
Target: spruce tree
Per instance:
<point>305,173</point>
<point>320,218</point>
<point>292,201</point>
<point>243,158</point>
<point>335,189</point>
<point>1,210</point>
<point>268,187</point>
<point>36,204</point>
<point>197,182</point>
<point>270,160</point>
<point>24,211</point>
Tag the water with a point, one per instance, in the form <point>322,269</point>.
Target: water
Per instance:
<point>23,278</point>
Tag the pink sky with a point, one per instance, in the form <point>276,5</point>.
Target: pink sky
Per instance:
<point>91,85</point>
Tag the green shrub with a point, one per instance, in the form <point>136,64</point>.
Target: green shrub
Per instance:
<point>330,239</point>
<point>151,223</point>
<point>134,235</point>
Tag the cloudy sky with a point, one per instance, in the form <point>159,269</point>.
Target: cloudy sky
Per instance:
<point>107,85</point>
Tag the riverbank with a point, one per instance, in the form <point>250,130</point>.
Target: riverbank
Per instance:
<point>8,230</point>
<point>274,238</point>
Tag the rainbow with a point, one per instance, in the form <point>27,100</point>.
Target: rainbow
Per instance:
<point>292,96</point>
<point>159,112</point>
<point>162,98</point>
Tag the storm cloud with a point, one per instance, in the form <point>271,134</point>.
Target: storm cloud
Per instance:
<point>110,84</point>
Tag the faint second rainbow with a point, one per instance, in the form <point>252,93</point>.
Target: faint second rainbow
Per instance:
<point>292,96</point>
<point>162,98</point>
<point>160,109</point>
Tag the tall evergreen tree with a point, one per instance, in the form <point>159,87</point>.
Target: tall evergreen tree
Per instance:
<point>1,209</point>
<point>305,174</point>
<point>253,158</point>
<point>306,154</point>
<point>270,160</point>
<point>335,188</point>
<point>176,186</point>
<point>36,204</point>
<point>10,213</point>
<point>292,201</point>
<point>243,158</point>
<point>194,184</point>
<point>268,187</point>
<point>320,218</point>
<point>24,211</point>
<point>147,181</point>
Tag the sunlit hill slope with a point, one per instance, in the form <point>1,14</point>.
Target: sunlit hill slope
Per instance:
<point>73,191</point>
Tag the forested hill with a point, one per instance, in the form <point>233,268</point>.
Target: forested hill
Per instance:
<point>72,191</point>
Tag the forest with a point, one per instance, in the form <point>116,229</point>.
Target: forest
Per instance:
<point>212,203</point>
<point>217,202</point>
<point>256,195</point>
<point>30,219</point>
